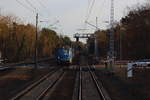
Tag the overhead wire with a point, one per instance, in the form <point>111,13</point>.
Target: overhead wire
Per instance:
<point>31,5</point>
<point>25,6</point>
<point>45,7</point>
<point>41,4</point>
<point>87,12</point>
<point>104,20</point>
<point>31,8</point>
<point>90,10</point>
<point>104,4</point>
<point>90,6</point>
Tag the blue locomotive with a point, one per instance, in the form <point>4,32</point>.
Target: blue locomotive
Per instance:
<point>64,55</point>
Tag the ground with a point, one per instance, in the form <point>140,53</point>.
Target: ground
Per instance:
<point>122,88</point>
<point>15,80</point>
<point>116,82</point>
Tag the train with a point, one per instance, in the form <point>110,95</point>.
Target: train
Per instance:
<point>64,55</point>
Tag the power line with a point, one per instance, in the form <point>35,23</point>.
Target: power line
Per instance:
<point>33,7</point>
<point>41,4</point>
<point>28,8</point>
<point>90,10</point>
<point>31,4</point>
<point>102,5</point>
<point>88,7</point>
<point>87,11</point>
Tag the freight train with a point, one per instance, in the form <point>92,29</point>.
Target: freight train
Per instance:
<point>64,55</point>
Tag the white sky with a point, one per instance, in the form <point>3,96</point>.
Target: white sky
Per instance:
<point>70,13</point>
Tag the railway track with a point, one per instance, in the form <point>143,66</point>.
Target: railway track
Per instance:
<point>27,62</point>
<point>4,68</point>
<point>63,89</point>
<point>89,87</point>
<point>57,86</point>
<point>37,90</point>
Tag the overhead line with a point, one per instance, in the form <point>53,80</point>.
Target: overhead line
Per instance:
<point>90,10</point>
<point>88,7</point>
<point>31,4</point>
<point>104,4</point>
<point>33,9</point>
<point>42,4</point>
<point>28,8</point>
<point>87,13</point>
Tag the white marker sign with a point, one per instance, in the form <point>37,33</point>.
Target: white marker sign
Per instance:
<point>130,70</point>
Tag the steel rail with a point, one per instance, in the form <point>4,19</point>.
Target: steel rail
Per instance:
<point>101,94</point>
<point>21,94</point>
<point>4,68</point>
<point>80,85</point>
<point>41,96</point>
<point>12,65</point>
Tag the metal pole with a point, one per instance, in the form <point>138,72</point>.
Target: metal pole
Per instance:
<point>112,35</point>
<point>120,47</point>
<point>96,23</point>
<point>95,46</point>
<point>0,11</point>
<point>96,51</point>
<point>36,39</point>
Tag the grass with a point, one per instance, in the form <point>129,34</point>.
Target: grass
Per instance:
<point>18,74</point>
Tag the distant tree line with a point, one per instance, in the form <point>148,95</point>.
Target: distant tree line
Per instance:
<point>17,40</point>
<point>132,32</point>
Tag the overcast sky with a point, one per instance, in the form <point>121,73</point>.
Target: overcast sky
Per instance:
<point>70,13</point>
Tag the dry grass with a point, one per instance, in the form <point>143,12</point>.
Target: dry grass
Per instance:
<point>121,71</point>
<point>137,87</point>
<point>16,80</point>
<point>139,83</point>
<point>18,74</point>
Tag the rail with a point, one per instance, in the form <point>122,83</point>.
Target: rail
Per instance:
<point>80,84</point>
<point>99,86</point>
<point>3,68</point>
<point>49,87</point>
<point>12,65</point>
<point>28,89</point>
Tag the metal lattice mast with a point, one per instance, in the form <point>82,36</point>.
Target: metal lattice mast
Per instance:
<point>111,55</point>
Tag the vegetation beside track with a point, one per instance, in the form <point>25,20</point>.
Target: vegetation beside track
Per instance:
<point>15,81</point>
<point>122,88</point>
